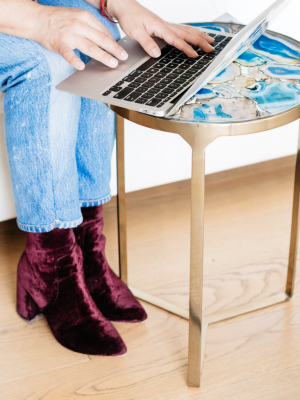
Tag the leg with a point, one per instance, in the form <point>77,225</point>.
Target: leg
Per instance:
<point>196,334</point>
<point>41,126</point>
<point>291,276</point>
<point>96,131</point>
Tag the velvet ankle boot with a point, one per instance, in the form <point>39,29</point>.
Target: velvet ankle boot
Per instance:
<point>51,281</point>
<point>110,293</point>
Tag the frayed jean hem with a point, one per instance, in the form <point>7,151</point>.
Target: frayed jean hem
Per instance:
<point>93,203</point>
<point>47,228</point>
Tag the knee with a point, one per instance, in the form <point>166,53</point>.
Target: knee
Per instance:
<point>28,63</point>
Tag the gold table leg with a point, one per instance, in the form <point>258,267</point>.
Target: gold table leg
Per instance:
<point>198,324</point>
<point>291,275</point>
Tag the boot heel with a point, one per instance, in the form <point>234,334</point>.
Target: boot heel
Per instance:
<point>26,306</point>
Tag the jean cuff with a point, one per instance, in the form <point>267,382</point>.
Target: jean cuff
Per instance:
<point>47,228</point>
<point>92,203</point>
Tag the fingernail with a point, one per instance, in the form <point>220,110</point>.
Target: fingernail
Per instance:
<point>195,54</point>
<point>113,62</point>
<point>124,55</point>
<point>80,65</point>
<point>155,52</point>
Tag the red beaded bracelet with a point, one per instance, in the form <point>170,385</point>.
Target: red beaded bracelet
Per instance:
<point>104,12</point>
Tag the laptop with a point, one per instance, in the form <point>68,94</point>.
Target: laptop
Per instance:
<point>159,86</point>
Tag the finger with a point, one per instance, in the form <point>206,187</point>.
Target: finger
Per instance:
<point>148,44</point>
<point>191,38</point>
<point>68,54</point>
<point>197,32</point>
<point>107,43</point>
<point>92,50</point>
<point>171,37</point>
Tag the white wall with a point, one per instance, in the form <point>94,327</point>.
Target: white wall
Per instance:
<point>154,158</point>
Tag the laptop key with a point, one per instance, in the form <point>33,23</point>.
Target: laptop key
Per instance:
<point>170,56</point>
<point>141,101</point>
<point>153,102</point>
<point>174,86</point>
<point>166,70</point>
<point>167,91</point>
<point>160,65</point>
<point>186,76</point>
<point>154,80</point>
<point>178,61</point>
<point>172,76</point>
<point>140,80</point>
<point>190,61</point>
<point>148,64</point>
<point>142,89</point>
<point>115,88</point>
<point>180,81</point>
<point>166,81</point>
<point>146,96</point>
<point>106,93</point>
<point>153,70</point>
<point>134,85</point>
<point>160,75</point>
<point>219,38</point>
<point>164,61</point>
<point>135,73</point>
<point>146,75</point>
<point>159,86</point>
<point>178,71</point>
<point>183,57</point>
<point>153,91</point>
<point>132,96</point>
<point>125,92</point>
<point>129,78</point>
<point>161,95</point>
<point>147,84</point>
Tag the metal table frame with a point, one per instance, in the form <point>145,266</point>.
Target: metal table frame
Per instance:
<point>199,136</point>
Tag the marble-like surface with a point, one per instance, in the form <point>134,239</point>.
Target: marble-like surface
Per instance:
<point>263,81</point>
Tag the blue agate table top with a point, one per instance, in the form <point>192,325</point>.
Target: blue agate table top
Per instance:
<point>262,82</point>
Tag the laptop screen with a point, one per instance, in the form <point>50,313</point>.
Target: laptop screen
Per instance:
<point>240,43</point>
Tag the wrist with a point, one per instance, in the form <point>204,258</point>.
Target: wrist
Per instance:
<point>114,7</point>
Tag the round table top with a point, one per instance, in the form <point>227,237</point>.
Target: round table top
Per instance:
<point>258,91</point>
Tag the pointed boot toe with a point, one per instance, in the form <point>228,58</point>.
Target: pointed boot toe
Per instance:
<point>111,295</point>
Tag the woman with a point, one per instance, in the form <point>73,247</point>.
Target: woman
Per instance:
<point>59,149</point>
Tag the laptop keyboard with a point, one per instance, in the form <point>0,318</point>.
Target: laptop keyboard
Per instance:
<point>160,80</point>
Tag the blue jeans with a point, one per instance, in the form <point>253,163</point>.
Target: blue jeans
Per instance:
<point>59,145</point>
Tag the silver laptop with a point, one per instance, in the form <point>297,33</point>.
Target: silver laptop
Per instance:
<point>159,86</point>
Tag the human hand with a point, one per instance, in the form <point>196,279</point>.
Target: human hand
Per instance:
<point>63,29</point>
<point>140,24</point>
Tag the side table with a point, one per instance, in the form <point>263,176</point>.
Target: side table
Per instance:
<point>258,92</point>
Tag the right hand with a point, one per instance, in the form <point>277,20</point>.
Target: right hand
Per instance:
<point>63,29</point>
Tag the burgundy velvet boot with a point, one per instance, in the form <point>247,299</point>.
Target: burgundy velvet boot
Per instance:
<point>51,281</point>
<point>110,293</point>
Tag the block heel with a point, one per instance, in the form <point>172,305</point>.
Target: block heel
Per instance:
<point>26,306</point>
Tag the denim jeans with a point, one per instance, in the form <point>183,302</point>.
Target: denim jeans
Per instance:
<point>59,145</point>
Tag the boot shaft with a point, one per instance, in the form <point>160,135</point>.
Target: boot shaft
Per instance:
<point>39,269</point>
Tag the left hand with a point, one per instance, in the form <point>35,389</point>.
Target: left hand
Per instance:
<point>140,24</point>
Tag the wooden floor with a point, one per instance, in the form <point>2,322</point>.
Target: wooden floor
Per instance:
<point>256,356</point>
